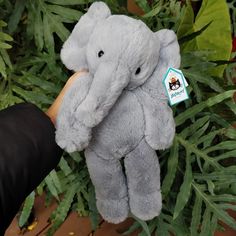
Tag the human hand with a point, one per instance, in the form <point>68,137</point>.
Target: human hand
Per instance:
<point>54,108</point>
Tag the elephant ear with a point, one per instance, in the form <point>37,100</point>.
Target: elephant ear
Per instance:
<point>169,48</point>
<point>73,53</point>
<point>169,56</point>
<point>159,121</point>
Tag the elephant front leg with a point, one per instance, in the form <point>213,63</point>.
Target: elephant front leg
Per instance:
<point>67,132</point>
<point>143,177</point>
<point>110,187</point>
<point>159,121</point>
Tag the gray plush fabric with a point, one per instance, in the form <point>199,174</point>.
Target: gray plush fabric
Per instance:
<point>119,109</point>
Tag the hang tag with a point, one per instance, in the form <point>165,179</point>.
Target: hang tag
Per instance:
<point>185,81</point>
<point>175,85</point>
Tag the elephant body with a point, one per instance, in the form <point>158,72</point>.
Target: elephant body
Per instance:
<point>119,112</point>
<point>125,117</point>
<point>122,135</point>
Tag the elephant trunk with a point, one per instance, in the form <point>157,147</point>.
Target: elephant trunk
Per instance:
<point>108,83</point>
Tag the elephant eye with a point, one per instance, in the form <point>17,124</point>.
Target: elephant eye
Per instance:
<point>138,71</point>
<point>100,53</point>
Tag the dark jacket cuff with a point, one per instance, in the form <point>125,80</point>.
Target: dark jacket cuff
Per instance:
<point>28,152</point>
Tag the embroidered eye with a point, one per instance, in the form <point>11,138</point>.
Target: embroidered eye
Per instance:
<point>138,71</point>
<point>100,53</point>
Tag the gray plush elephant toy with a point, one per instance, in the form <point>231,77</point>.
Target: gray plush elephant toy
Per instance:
<point>119,111</point>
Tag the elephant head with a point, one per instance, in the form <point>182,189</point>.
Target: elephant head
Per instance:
<point>119,52</point>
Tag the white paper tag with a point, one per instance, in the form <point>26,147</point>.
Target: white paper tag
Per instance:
<point>175,85</point>
<point>185,81</point>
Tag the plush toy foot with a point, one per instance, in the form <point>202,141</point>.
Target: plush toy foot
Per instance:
<point>146,207</point>
<point>113,211</point>
<point>82,135</point>
<point>67,142</point>
<point>73,139</point>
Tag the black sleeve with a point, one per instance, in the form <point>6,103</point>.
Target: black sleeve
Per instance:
<point>28,152</point>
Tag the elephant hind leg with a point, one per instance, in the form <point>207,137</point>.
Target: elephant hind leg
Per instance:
<point>143,178</point>
<point>110,187</point>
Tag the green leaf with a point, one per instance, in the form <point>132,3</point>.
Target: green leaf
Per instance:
<point>221,214</point>
<point>196,216</point>
<point>48,35</point>
<point>206,223</point>
<point>197,91</point>
<point>194,138</point>
<point>213,225</point>
<point>216,175</point>
<point>227,145</point>
<point>6,58</point>
<point>185,189</point>
<point>211,39</point>
<point>204,79</point>
<point>209,137</point>
<point>143,4</point>
<point>61,212</point>
<point>195,59</point>
<point>81,206</point>
<point>94,215</point>
<point>6,37</point>
<point>37,81</point>
<point>177,226</point>
<point>226,155</point>
<point>171,168</point>
<point>55,179</point>
<point>3,23</point>
<point>153,12</point>
<point>191,129</point>
<point>45,19</point>
<point>33,96</point>
<point>5,45</point>
<point>193,35</point>
<point>219,119</point>
<point>59,28</point>
<point>16,15</point>
<point>38,28</point>
<point>162,228</point>
<point>28,205</point>
<point>230,133</point>
<point>223,198</point>
<point>228,206</point>
<point>232,106</point>
<point>192,148</point>
<point>76,157</point>
<point>186,23</point>
<point>143,225</point>
<point>68,13</point>
<point>182,117</point>
<point>51,187</point>
<point>69,2</point>
<point>2,67</point>
<point>40,188</point>
<point>64,166</point>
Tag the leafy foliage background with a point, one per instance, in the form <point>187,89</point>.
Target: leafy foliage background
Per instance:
<point>199,170</point>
